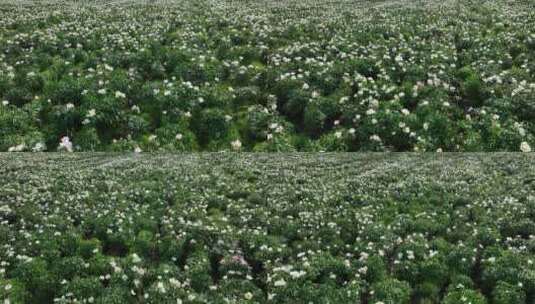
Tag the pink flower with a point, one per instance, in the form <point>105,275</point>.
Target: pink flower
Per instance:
<point>65,144</point>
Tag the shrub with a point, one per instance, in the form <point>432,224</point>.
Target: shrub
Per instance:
<point>18,96</point>
<point>89,248</point>
<point>462,295</point>
<point>473,91</point>
<point>83,288</point>
<point>68,267</point>
<point>87,139</point>
<point>296,104</point>
<point>210,125</point>
<point>257,123</point>
<point>64,91</point>
<point>332,143</point>
<point>505,293</point>
<point>18,127</point>
<point>144,244</point>
<point>313,120</point>
<point>12,291</point>
<point>114,295</point>
<point>198,271</point>
<point>37,279</point>
<point>177,138</point>
<point>391,291</point>
<point>279,143</point>
<point>249,95</point>
<point>327,268</point>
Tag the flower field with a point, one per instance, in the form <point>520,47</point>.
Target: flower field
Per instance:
<point>257,228</point>
<point>266,75</point>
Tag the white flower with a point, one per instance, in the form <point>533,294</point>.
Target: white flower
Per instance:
<point>524,147</point>
<point>375,137</point>
<point>236,145</point>
<point>297,274</point>
<point>280,283</point>
<point>91,113</point>
<point>119,94</point>
<point>248,296</point>
<point>521,131</point>
<point>69,106</point>
<point>161,288</point>
<point>5,102</point>
<point>39,147</point>
<point>101,91</point>
<point>135,258</point>
<point>179,136</point>
<point>175,282</point>
<point>138,150</point>
<point>65,144</point>
<point>370,112</point>
<point>17,148</point>
<point>405,112</point>
<point>135,108</point>
<point>352,131</point>
<point>338,134</point>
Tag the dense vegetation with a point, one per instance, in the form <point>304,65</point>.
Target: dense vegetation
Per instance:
<point>256,228</point>
<point>211,75</point>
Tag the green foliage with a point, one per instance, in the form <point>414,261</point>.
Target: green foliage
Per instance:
<point>211,78</point>
<point>202,228</point>
<point>211,125</point>
<point>462,295</point>
<point>313,120</point>
<point>37,279</point>
<point>12,291</point>
<point>505,293</point>
<point>391,291</point>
